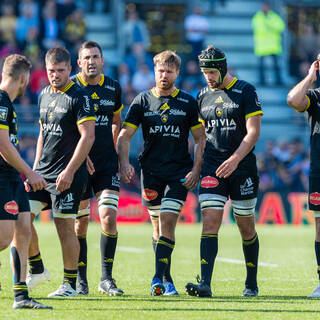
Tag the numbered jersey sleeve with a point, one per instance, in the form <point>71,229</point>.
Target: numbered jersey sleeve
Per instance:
<point>134,116</point>
<point>252,106</point>
<point>82,109</point>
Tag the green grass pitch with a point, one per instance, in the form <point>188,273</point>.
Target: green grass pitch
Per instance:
<point>287,275</point>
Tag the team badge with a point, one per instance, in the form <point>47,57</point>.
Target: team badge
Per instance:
<point>315,198</point>
<point>50,116</point>
<point>209,182</point>
<point>11,207</point>
<point>164,118</point>
<point>219,111</point>
<point>149,194</point>
<point>3,113</point>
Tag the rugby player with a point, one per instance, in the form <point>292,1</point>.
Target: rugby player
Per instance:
<point>66,136</point>
<point>303,98</point>
<point>105,97</point>
<point>231,112</point>
<point>166,115</point>
<point>14,206</point>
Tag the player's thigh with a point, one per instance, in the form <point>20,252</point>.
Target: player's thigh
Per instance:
<point>38,201</point>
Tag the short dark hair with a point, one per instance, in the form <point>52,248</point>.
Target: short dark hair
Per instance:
<point>57,55</point>
<point>167,57</point>
<point>15,65</point>
<point>89,45</point>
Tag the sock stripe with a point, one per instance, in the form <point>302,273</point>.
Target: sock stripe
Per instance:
<point>20,287</point>
<point>70,275</point>
<point>165,244</point>
<point>248,242</point>
<point>109,235</point>
<point>204,236</point>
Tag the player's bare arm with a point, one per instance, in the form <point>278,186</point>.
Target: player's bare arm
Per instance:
<point>11,155</point>
<point>116,127</point>
<point>126,169</point>
<point>192,178</point>
<point>253,125</point>
<point>38,149</point>
<point>296,98</point>
<point>86,130</point>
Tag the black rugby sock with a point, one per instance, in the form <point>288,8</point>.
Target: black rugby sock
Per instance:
<point>82,265</point>
<point>20,291</point>
<point>167,276</point>
<point>317,250</point>
<point>164,250</point>
<point>108,244</point>
<point>70,276</point>
<point>208,253</point>
<point>251,253</point>
<point>36,264</point>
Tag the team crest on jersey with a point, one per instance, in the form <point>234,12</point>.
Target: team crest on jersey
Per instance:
<point>3,113</point>
<point>11,207</point>
<point>315,198</point>
<point>95,96</point>
<point>95,107</point>
<point>149,194</point>
<point>164,118</point>
<point>219,111</point>
<point>219,100</point>
<point>52,104</point>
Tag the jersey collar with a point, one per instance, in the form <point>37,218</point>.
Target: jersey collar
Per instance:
<point>65,89</point>
<point>173,94</point>
<point>231,84</point>
<point>85,83</point>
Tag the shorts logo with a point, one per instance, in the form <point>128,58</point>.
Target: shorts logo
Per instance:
<point>209,182</point>
<point>247,187</point>
<point>116,180</point>
<point>67,202</point>
<point>11,207</point>
<point>149,194</point>
<point>315,198</point>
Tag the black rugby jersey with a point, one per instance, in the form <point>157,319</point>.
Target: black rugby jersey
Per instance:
<point>224,112</point>
<point>166,122</point>
<point>313,110</point>
<point>8,121</point>
<point>60,113</point>
<point>105,97</point>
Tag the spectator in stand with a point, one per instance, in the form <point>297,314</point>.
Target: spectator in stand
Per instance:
<point>196,26</point>
<point>32,47</point>
<point>267,29</point>
<point>38,79</point>
<point>135,31</point>
<point>75,29</point>
<point>49,24</point>
<point>25,21</point>
<point>8,22</point>
<point>64,9</point>
<point>124,77</point>
<point>143,78</point>
<point>25,110</point>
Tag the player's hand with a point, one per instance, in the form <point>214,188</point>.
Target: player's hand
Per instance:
<point>35,181</point>
<point>126,172</point>
<point>227,167</point>
<point>191,180</point>
<point>314,68</point>
<point>90,166</point>
<point>64,180</point>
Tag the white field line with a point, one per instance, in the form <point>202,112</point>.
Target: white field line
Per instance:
<point>234,261</point>
<point>128,249</point>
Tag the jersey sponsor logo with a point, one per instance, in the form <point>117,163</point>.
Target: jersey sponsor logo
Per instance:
<point>231,105</point>
<point>257,99</point>
<point>86,107</point>
<point>14,139</point>
<point>219,100</point>
<point>177,112</point>
<point>183,100</point>
<point>11,207</point>
<point>149,194</point>
<point>222,123</point>
<point>3,113</point>
<point>106,103</point>
<point>247,187</point>
<point>102,120</point>
<point>169,130</point>
<point>219,111</point>
<point>209,182</point>
<point>110,88</point>
<point>52,104</point>
<point>236,90</point>
<point>315,198</point>
<point>61,110</point>
<point>207,108</point>
<point>316,128</point>
<point>95,96</point>
<point>52,128</point>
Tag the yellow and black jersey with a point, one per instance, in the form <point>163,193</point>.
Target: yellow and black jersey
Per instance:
<point>224,113</point>
<point>8,121</point>
<point>105,97</point>
<point>313,111</point>
<point>60,114</point>
<point>165,121</point>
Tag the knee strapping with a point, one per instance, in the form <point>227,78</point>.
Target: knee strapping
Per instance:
<point>171,205</point>
<point>108,201</point>
<point>212,201</point>
<point>244,208</point>
<point>154,211</point>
